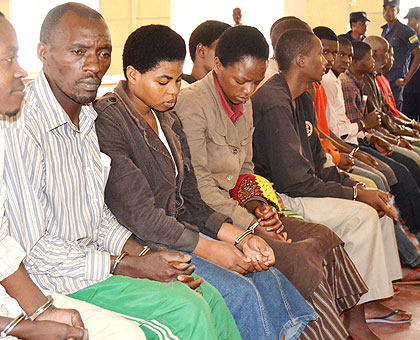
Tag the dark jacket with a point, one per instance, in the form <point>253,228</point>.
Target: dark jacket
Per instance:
<point>161,209</point>
<point>376,101</point>
<point>286,147</point>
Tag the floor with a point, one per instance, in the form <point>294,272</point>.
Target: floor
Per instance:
<point>407,299</point>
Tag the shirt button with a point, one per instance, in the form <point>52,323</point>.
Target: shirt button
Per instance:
<point>113,100</point>
<point>235,151</point>
<point>229,177</point>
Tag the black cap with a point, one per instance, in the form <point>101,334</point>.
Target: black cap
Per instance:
<point>392,3</point>
<point>413,13</point>
<point>359,16</point>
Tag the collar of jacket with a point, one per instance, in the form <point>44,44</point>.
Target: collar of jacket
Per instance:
<point>223,123</point>
<point>167,122</point>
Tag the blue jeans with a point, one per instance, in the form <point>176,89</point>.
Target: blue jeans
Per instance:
<point>264,305</point>
<point>409,255</point>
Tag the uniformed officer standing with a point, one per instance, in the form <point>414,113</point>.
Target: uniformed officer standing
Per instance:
<point>411,104</point>
<point>358,25</point>
<point>405,42</point>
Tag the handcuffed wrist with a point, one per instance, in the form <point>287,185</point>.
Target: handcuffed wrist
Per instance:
<point>248,231</point>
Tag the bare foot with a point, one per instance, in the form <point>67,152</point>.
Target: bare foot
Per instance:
<point>354,321</point>
<point>375,309</point>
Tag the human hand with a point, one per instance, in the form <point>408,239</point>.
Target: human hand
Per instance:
<point>271,225</point>
<point>49,330</point>
<point>346,162</point>
<point>162,266</point>
<point>69,317</point>
<point>258,251</point>
<point>228,256</point>
<point>372,120</point>
<point>404,143</point>
<point>382,146</point>
<point>400,82</point>
<point>366,158</point>
<point>378,200</point>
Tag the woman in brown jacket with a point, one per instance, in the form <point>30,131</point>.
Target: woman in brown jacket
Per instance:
<point>216,114</point>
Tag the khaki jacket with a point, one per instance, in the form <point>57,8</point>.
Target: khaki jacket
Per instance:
<point>220,150</point>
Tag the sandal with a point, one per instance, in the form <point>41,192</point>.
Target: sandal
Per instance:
<point>384,319</point>
<point>404,281</point>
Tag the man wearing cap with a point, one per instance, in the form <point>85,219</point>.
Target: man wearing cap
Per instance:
<point>405,43</point>
<point>411,103</point>
<point>358,24</point>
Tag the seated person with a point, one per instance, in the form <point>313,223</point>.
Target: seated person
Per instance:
<point>339,123</point>
<point>152,190</point>
<point>49,322</point>
<point>202,44</point>
<point>54,178</point>
<point>406,192</point>
<point>221,154</point>
<point>343,155</point>
<point>377,101</point>
<point>287,151</point>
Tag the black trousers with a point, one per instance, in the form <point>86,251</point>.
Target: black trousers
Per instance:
<point>411,104</point>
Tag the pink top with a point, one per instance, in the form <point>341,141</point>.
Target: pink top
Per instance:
<point>233,112</point>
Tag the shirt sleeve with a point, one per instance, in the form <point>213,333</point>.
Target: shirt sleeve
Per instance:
<point>194,123</point>
<point>27,208</point>
<point>411,39</point>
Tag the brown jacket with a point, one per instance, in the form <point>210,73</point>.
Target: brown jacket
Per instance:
<point>220,150</point>
<point>162,210</point>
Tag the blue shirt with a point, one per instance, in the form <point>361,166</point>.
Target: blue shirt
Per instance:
<point>404,40</point>
<point>349,37</point>
<point>414,85</point>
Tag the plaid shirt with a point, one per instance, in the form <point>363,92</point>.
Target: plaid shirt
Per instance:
<point>353,97</point>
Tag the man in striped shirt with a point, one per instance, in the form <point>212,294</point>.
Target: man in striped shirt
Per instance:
<point>54,323</point>
<point>54,176</point>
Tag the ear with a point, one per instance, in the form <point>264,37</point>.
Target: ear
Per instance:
<point>217,65</point>
<point>132,74</point>
<point>200,50</point>
<point>300,60</point>
<point>41,52</point>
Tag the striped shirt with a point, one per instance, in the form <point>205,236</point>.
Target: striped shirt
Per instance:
<point>55,183</point>
<point>11,253</point>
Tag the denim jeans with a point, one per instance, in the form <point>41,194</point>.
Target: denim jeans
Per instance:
<point>409,255</point>
<point>264,305</point>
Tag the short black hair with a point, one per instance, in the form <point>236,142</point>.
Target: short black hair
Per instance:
<point>289,23</point>
<point>206,33</point>
<point>291,44</point>
<point>2,15</point>
<point>360,49</point>
<point>148,45</point>
<point>287,18</point>
<point>53,17</point>
<point>343,41</point>
<point>325,33</point>
<point>239,42</point>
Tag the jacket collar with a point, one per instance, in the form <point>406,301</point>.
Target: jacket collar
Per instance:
<point>224,125</point>
<point>166,121</point>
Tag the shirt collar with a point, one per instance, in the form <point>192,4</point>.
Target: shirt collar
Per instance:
<point>233,113</point>
<point>353,78</point>
<point>55,115</point>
